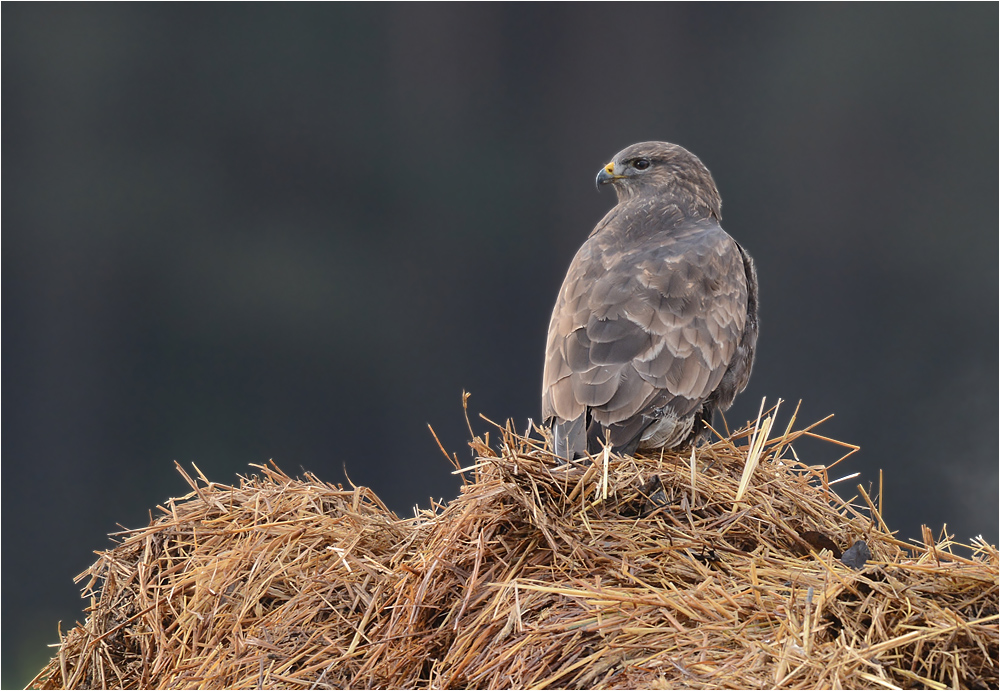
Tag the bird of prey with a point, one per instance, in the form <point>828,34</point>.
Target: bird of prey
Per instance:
<point>655,324</point>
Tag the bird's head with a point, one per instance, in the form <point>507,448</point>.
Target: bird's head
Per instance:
<point>660,168</point>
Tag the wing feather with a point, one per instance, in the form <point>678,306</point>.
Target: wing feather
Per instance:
<point>655,326</point>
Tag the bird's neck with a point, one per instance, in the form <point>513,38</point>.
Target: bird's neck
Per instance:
<point>691,201</point>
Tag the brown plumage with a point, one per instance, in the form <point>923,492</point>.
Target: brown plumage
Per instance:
<point>656,321</point>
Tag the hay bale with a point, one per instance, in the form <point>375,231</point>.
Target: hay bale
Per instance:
<point>653,572</point>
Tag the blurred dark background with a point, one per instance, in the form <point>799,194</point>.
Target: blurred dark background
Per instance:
<point>242,232</point>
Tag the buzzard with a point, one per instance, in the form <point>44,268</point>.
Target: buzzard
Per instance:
<point>655,324</point>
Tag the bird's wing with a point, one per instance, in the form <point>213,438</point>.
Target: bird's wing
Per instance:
<point>644,324</point>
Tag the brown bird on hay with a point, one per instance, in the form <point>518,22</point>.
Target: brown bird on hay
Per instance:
<point>656,321</point>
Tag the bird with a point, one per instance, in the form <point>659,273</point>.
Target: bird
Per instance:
<point>655,325</point>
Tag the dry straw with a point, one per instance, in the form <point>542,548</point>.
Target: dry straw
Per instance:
<point>713,569</point>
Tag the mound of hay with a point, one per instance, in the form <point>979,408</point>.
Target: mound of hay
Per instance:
<point>720,570</point>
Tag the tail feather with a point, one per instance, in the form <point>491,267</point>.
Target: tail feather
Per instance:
<point>569,437</point>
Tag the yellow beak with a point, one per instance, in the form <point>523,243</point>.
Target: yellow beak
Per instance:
<point>606,175</point>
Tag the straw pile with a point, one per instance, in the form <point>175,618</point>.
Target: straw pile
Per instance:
<point>719,569</point>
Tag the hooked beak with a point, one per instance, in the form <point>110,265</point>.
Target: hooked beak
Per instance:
<point>607,175</point>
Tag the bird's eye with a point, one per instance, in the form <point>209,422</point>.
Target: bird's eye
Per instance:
<point>641,163</point>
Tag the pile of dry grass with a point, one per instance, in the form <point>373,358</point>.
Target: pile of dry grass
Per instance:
<point>717,571</point>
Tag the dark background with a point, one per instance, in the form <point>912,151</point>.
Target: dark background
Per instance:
<point>234,233</point>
